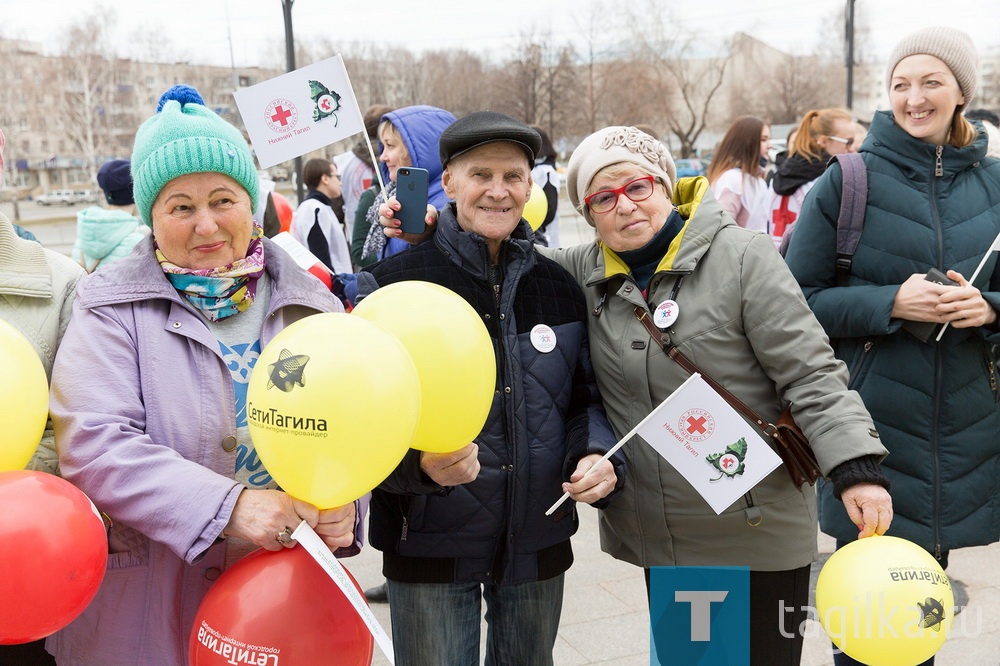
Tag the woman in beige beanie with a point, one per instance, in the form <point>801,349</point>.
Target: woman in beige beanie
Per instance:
<point>720,293</point>
<point>933,203</point>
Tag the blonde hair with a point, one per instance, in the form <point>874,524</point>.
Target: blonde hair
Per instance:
<point>816,123</point>
<point>962,131</point>
<point>387,128</point>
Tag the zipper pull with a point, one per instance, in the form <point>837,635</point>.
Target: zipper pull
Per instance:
<point>938,167</point>
<point>993,376</point>
<point>406,520</point>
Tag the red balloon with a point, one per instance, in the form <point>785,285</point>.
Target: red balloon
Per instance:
<point>284,209</point>
<point>53,553</point>
<point>278,604</point>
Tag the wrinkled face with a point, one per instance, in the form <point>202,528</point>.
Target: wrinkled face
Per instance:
<point>490,185</point>
<point>630,224</point>
<point>394,153</point>
<point>924,94</point>
<point>202,220</point>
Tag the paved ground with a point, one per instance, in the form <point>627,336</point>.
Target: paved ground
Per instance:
<point>605,619</point>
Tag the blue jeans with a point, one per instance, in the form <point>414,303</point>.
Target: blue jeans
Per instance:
<point>438,623</point>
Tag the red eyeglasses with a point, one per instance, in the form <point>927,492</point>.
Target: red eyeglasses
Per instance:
<point>639,189</point>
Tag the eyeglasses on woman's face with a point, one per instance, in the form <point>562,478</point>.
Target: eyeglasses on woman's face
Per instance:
<point>839,139</point>
<point>639,189</point>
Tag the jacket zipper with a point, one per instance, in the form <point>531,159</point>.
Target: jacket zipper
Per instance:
<point>938,362</point>
<point>496,277</point>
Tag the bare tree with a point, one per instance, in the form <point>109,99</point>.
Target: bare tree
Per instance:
<point>684,84</point>
<point>458,81</point>
<point>539,82</point>
<point>88,67</point>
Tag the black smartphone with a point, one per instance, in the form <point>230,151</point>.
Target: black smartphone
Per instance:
<point>925,330</point>
<point>411,192</point>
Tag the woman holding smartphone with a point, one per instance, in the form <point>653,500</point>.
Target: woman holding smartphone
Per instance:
<point>407,137</point>
<point>933,202</point>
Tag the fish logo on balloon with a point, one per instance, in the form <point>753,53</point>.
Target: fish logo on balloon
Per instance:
<point>288,371</point>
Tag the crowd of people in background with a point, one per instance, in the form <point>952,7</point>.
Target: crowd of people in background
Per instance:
<point>904,428</point>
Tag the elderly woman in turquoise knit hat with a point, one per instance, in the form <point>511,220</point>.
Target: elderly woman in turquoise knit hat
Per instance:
<point>933,202</point>
<point>149,394</point>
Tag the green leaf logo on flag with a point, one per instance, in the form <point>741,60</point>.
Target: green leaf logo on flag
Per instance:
<point>327,102</point>
<point>730,461</point>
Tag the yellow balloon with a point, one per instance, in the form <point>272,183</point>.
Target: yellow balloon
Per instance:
<point>318,411</point>
<point>24,399</point>
<point>536,207</point>
<point>885,600</point>
<point>453,353</point>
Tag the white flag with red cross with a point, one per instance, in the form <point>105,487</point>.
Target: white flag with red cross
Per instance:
<point>709,443</point>
<point>301,111</point>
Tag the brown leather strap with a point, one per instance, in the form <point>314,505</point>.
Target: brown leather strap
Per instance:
<point>675,354</point>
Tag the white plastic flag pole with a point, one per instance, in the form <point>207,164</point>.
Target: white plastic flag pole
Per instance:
<point>320,552</point>
<point>621,442</point>
<point>371,151</point>
<point>993,248</point>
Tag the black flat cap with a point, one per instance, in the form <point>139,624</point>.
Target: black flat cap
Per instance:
<point>115,179</point>
<point>482,127</point>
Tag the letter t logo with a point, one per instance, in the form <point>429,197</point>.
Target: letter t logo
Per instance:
<point>701,606</point>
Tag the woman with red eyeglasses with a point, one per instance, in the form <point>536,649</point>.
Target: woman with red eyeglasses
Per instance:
<point>724,297</point>
<point>821,134</point>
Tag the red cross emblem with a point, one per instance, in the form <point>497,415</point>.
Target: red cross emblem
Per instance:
<point>281,115</point>
<point>696,425</point>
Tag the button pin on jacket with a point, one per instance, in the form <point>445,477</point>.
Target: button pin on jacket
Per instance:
<point>666,314</point>
<point>543,338</point>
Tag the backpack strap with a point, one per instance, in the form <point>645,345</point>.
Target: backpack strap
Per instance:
<point>853,202</point>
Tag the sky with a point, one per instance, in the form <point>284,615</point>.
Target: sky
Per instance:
<point>251,32</point>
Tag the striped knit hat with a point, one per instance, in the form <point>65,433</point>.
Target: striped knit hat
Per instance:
<point>186,137</point>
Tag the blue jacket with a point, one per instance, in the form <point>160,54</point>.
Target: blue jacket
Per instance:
<point>546,415</point>
<point>421,127</point>
<point>935,404</point>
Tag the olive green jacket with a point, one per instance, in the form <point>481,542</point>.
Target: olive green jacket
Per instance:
<point>743,320</point>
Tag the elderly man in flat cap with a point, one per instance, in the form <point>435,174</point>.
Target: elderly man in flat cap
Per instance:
<point>461,527</point>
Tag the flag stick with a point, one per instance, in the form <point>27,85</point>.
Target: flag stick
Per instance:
<point>621,442</point>
<point>371,151</point>
<point>993,248</point>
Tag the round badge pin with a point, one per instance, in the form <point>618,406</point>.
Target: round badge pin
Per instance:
<point>543,338</point>
<point>666,314</point>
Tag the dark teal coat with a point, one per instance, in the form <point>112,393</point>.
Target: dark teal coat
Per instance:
<point>935,404</point>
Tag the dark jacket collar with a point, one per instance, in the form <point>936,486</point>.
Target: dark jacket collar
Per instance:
<point>469,250</point>
<point>917,158</point>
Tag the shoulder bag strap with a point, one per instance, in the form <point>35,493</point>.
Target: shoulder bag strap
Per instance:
<point>675,354</point>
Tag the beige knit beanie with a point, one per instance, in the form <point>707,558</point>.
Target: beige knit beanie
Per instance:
<point>613,145</point>
<point>953,47</point>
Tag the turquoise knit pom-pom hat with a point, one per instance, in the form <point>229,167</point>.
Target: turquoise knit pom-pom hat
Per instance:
<point>186,137</point>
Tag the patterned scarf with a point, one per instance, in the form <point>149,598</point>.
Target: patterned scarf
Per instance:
<point>224,291</point>
<point>376,241</point>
